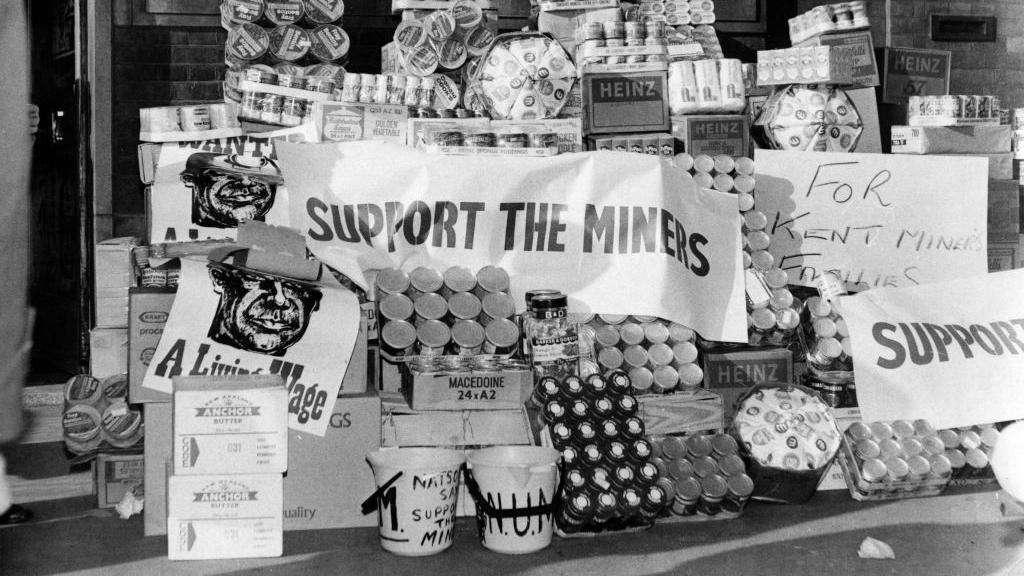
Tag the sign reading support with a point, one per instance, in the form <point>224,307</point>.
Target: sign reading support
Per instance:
<point>879,219</point>
<point>950,352</point>
<point>915,72</point>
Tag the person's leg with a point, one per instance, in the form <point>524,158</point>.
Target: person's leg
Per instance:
<point>13,513</point>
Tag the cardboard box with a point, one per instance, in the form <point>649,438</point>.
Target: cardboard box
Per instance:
<point>713,134</point>
<point>476,390</point>
<point>157,458</point>
<point>914,72</point>
<point>1004,256</point>
<point>402,426</point>
<point>1000,166</point>
<point>625,102</point>
<point>833,479</point>
<point>951,139</point>
<point>115,475</point>
<point>230,424</point>
<point>805,65</point>
<point>328,478</point>
<point>682,413</point>
<point>732,373</point>
<point>348,121</point>
<point>224,516</point>
<point>855,48</point>
<point>148,312</point>
<point>1003,210</point>
<point>108,351</point>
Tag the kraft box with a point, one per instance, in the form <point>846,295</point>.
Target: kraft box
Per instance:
<point>625,102</point>
<point>468,390</point>
<point>713,134</point>
<point>230,424</point>
<point>224,516</point>
<point>148,309</point>
<point>732,373</point>
<point>682,413</point>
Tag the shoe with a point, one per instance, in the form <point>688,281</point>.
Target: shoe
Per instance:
<point>15,515</point>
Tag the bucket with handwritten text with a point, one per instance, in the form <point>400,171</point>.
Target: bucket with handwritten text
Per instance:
<point>513,487</point>
<point>415,499</point>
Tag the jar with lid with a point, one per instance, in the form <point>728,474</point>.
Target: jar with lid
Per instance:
<point>553,336</point>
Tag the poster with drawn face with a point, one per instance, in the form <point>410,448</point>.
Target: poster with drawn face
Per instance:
<point>229,319</point>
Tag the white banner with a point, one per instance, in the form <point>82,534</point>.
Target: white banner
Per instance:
<point>204,189</point>
<point>233,320</point>
<point>950,352</point>
<point>618,233</point>
<point>879,219</point>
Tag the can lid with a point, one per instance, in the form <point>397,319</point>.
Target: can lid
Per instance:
<point>549,301</point>
<point>732,465</point>
<point>897,468</point>
<point>115,386</point>
<point>606,336</point>
<point>661,355</point>
<point>431,306</point>
<point>81,388</point>
<point>911,446</point>
<point>881,430</point>
<point>956,458</point>
<point>698,446</point>
<point>612,319</point>
<point>744,166</point>
<point>989,436</point>
<point>763,319</point>
<point>121,421</point>
<point>970,439</point>
<point>714,487</point>
<point>467,333</point>
<point>610,358</point>
<point>666,377</point>
<point>635,356</point>
<point>949,437</point>
<point>396,307</point>
<point>464,305</point>
<point>631,333</point>
<point>740,486</point>
<point>940,465</point>
<point>685,352</point>
<point>392,280</point>
<point>690,374</point>
<point>433,333</point>
<point>919,466</point>
<point>688,489</point>
<point>705,467</point>
<point>873,470</point>
<point>502,332</point>
<point>398,334</point>
<point>499,305</point>
<point>867,449</point>
<point>902,429</point>
<point>858,431</point>
<point>889,448</point>
<point>81,423</point>
<point>976,458</point>
<point>656,332</point>
<point>425,279</point>
<point>492,278</point>
<point>641,378</point>
<point>703,163</point>
<point>724,444</point>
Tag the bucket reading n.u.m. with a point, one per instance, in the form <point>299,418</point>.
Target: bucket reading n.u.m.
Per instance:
<point>417,491</point>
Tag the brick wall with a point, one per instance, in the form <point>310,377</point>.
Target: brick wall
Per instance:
<point>155,66</point>
<point>977,67</point>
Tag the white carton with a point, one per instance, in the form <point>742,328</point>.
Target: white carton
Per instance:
<point>230,424</point>
<point>224,516</point>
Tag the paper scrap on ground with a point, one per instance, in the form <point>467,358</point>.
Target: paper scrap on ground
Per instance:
<point>874,549</point>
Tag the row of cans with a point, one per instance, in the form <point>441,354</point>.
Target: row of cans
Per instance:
<point>655,144</point>
<point>196,118</point>
<point>488,138</point>
<point>678,12</point>
<point>723,173</point>
<point>954,106</point>
<point>828,18</point>
<point>160,277</point>
<point>803,65</point>
<point>248,43</point>
<point>397,89</point>
<point>660,357</point>
<point>826,337</point>
<point>708,474</point>
<point>95,411</point>
<point>267,107</point>
<point>311,13</point>
<point>970,448</point>
<point>703,86</point>
<point>620,30</point>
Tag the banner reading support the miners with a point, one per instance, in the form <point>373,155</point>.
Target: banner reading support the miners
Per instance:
<point>618,233</point>
<point>949,352</point>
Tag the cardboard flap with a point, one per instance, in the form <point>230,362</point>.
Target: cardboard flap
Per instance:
<point>276,250</point>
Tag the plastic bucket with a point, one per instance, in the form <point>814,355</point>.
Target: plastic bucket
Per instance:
<point>417,491</point>
<point>514,488</point>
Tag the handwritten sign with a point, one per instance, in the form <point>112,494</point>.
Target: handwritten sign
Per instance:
<point>880,220</point>
<point>915,72</point>
<point>950,352</point>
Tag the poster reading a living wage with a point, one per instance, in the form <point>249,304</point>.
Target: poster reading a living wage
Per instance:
<point>950,352</point>
<point>618,233</point>
<point>878,219</point>
<point>235,320</point>
<point>205,189</point>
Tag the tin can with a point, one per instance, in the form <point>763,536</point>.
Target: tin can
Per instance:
<point>293,110</point>
<point>425,92</point>
<point>396,89</point>
<point>367,88</point>
<point>261,74</point>
<point>247,42</point>
<point>512,140</point>
<point>502,335</point>
<point>289,43</point>
<point>430,307</point>
<point>543,140</point>
<point>241,11</point>
<point>194,118</point>
<point>121,425</point>
<point>468,337</point>
<point>614,29</point>
<point>329,43</point>
<point>641,379</point>
<point>396,307</point>
<point>351,87</point>
<point>412,86</point>
<point>323,11</point>
<point>464,306</point>
<point>433,337</point>
<point>593,31</point>
<point>398,337</point>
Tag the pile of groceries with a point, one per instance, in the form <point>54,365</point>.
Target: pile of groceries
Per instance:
<point>477,379</point>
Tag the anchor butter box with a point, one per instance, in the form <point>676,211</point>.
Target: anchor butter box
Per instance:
<point>224,516</point>
<point>230,424</point>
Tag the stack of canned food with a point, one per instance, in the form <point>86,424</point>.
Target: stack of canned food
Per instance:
<point>660,357</point>
<point>442,39</point>
<point>289,37</point>
<point>197,118</point>
<point>773,314</point>
<point>898,459</point>
<point>427,313</point>
<point>619,34</point>
<point>708,473</point>
<point>96,414</point>
<point>706,86</point>
<point>395,89</point>
<point>826,337</point>
<point>969,449</point>
<point>828,18</point>
<point>926,110</point>
<point>264,106</point>
<point>678,12</point>
<point>608,479</point>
